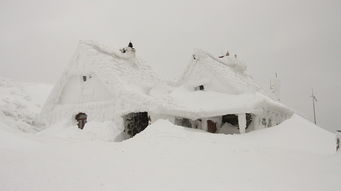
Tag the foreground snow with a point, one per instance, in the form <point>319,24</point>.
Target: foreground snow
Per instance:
<point>295,155</point>
<point>164,157</point>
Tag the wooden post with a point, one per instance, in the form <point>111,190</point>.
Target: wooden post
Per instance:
<point>242,122</point>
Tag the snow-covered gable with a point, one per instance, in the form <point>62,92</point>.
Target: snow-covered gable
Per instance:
<point>226,75</point>
<point>98,77</point>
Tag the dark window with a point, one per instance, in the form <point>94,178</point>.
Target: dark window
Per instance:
<point>84,78</point>
<point>201,87</point>
<point>183,122</point>
<point>264,121</point>
<point>194,57</point>
<point>233,119</point>
<point>81,118</point>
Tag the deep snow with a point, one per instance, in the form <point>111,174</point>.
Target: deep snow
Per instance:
<point>295,155</point>
<point>21,103</point>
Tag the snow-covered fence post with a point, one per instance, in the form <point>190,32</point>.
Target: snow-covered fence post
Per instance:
<point>242,122</point>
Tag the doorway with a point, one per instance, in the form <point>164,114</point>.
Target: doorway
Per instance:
<point>134,123</point>
<point>211,126</point>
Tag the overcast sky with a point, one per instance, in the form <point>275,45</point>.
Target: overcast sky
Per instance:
<point>298,39</point>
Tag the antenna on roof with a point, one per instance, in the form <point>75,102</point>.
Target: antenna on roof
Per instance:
<point>275,87</point>
<point>314,100</point>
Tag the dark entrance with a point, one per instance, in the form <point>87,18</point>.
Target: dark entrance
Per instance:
<point>81,118</point>
<point>233,119</point>
<point>211,126</point>
<point>183,122</point>
<point>134,123</point>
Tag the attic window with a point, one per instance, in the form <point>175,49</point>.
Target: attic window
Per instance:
<point>84,78</point>
<point>201,87</point>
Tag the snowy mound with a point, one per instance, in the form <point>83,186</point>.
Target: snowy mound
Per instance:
<point>296,134</point>
<point>94,131</point>
<point>20,103</point>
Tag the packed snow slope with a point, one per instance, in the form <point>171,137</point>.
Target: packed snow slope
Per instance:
<point>20,103</point>
<point>165,157</point>
<point>295,155</point>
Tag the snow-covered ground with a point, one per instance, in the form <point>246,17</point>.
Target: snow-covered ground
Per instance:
<point>295,155</point>
<point>20,103</point>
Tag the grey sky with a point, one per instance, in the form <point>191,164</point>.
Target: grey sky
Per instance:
<point>301,40</point>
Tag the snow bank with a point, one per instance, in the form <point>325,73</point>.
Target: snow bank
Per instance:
<point>164,157</point>
<point>93,131</point>
<point>11,138</point>
<point>295,134</point>
<point>20,103</point>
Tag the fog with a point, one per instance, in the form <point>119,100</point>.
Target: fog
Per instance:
<point>300,40</point>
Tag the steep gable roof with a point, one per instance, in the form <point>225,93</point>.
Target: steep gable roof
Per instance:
<point>227,74</point>
<point>119,72</point>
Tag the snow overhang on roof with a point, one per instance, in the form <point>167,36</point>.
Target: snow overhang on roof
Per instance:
<point>200,104</point>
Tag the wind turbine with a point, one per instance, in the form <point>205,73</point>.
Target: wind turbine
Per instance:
<point>314,100</point>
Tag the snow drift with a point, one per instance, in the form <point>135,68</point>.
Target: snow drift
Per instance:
<point>21,103</point>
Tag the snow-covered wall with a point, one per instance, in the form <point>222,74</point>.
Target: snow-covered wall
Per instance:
<point>84,89</point>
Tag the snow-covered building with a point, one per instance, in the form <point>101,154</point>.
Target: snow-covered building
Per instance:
<point>214,94</point>
<point>217,95</point>
<point>104,85</point>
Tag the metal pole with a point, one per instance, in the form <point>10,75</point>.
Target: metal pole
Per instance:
<point>314,99</point>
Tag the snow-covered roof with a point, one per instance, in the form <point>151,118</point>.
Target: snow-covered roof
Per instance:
<point>114,68</point>
<point>130,86</point>
<point>122,74</point>
<point>227,74</point>
<point>198,104</point>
